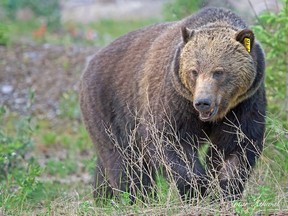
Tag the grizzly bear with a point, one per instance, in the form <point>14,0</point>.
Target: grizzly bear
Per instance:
<point>152,98</point>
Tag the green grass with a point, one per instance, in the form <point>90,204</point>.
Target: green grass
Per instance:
<point>61,168</point>
<point>51,189</point>
<point>112,29</point>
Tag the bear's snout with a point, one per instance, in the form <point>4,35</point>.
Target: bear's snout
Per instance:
<point>206,108</point>
<point>203,104</point>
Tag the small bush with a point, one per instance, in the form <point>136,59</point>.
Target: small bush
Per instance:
<point>272,32</point>
<point>18,171</point>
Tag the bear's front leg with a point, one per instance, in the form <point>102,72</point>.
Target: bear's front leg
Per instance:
<point>237,142</point>
<point>184,168</point>
<point>231,172</point>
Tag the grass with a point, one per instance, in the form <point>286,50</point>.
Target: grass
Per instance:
<point>63,156</point>
<point>114,29</point>
<point>53,171</point>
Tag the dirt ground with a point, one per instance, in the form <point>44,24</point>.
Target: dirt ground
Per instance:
<point>47,70</point>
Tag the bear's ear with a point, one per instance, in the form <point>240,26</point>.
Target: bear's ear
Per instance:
<point>186,34</point>
<point>246,37</point>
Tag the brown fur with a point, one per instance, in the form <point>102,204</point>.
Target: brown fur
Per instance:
<point>163,73</point>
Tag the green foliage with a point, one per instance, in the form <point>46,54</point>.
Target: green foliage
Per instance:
<point>48,9</point>
<point>272,32</point>
<point>41,8</point>
<point>61,168</point>
<point>85,208</point>
<point>177,9</point>
<point>108,29</point>
<point>18,173</point>
<point>14,147</point>
<point>69,105</point>
<point>4,39</point>
<point>49,138</point>
<point>263,201</point>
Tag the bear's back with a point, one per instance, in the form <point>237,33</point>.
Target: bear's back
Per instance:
<point>208,16</point>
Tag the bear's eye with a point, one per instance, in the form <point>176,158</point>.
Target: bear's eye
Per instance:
<point>194,73</point>
<point>218,74</point>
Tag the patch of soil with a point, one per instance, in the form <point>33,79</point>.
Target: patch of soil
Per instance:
<point>47,70</point>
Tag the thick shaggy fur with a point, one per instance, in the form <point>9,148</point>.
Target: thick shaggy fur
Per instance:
<point>194,78</point>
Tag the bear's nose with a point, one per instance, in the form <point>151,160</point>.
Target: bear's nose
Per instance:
<point>203,105</point>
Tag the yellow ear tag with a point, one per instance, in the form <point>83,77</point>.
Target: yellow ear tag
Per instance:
<point>247,44</point>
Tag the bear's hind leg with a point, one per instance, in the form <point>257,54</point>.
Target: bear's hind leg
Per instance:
<point>121,174</point>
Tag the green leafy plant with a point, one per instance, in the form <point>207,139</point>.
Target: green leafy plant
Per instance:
<point>18,168</point>
<point>272,31</point>
<point>13,147</point>
<point>18,172</point>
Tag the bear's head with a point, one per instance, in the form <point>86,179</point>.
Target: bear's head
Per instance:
<point>217,68</point>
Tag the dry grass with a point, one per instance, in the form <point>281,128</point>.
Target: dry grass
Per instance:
<point>264,192</point>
